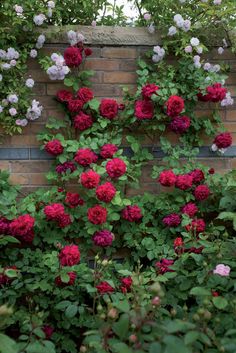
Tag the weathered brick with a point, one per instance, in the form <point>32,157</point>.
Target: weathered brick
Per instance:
<point>231,79</point>
<point>30,166</point>
<point>37,179</point>
<point>231,115</point>
<point>119,77</point>
<point>106,90</point>
<point>39,89</point>
<point>128,65</point>
<point>121,53</point>
<point>4,165</point>
<point>102,64</point>
<point>53,88</point>
<point>22,179</point>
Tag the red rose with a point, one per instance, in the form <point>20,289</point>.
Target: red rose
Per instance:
<point>178,242</point>
<point>103,238</point>
<point>64,220</point>
<point>215,93</point>
<point>54,211</point>
<point>72,57</point>
<point>104,288</point>
<point>196,226</point>
<point>4,225</point>
<point>174,106</point>
<point>108,108</point>
<point>144,109</point>
<point>105,192</point>
<point>189,209</point>
<point>73,199</point>
<point>85,94</point>
<point>184,181</point>
<point>180,124</point>
<point>121,106</point>
<point>64,167</point>
<point>163,266</point>
<point>54,147</point>
<point>48,331</point>
<point>126,284</point>
<point>69,255</point>
<point>108,150</point>
<point>90,179</point>
<point>172,220</point>
<point>85,157</point>
<point>88,51</point>
<point>201,192</point>
<point>223,140</point>
<point>211,171</point>
<point>149,90</point>
<point>64,96</point>
<point>97,214</point>
<point>167,178</point>
<point>116,168</point>
<point>197,175</point>
<point>82,121</point>
<point>71,282</point>
<point>132,213</point>
<point>75,105</point>
<point>215,294</point>
<point>23,228</point>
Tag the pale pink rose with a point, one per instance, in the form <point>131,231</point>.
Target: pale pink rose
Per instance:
<point>222,270</point>
<point>21,122</point>
<point>147,16</point>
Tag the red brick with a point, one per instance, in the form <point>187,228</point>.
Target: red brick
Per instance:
<point>4,165</point>
<point>37,179</point>
<point>231,79</point>
<point>231,115</point>
<point>120,77</point>
<point>102,64</point>
<point>22,179</point>
<point>122,53</point>
<point>30,166</point>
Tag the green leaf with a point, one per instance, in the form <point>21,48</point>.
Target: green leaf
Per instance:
<point>94,104</point>
<point>155,347</point>
<point>63,304</point>
<point>121,348</point>
<point>65,277</point>
<point>191,337</point>
<point>71,311</point>
<point>178,325</point>
<point>200,291</point>
<point>121,327</point>
<point>11,273</point>
<point>220,302</point>
<point>7,345</point>
<point>122,305</point>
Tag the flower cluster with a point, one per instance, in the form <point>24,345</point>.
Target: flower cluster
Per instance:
<point>56,212</point>
<point>59,69</point>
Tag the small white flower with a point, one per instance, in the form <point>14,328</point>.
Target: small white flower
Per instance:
<point>147,16</point>
<point>54,57</point>
<point>51,4</point>
<point>228,100</point>
<point>29,83</point>
<point>186,25</point>
<point>156,58</point>
<point>21,122</point>
<point>19,9</point>
<point>41,39</point>
<point>207,66</point>
<point>214,148</point>
<point>93,24</point>
<point>12,98</point>
<point>151,28</point>
<point>1,109</point>
<point>5,66</point>
<point>220,50</point>
<point>194,42</point>
<point>13,63</point>
<point>35,111</point>
<point>49,14</point>
<point>182,1</point>
<point>216,68</point>
<point>39,19</point>
<point>178,19</point>
<point>217,2</point>
<point>188,49</point>
<point>33,53</point>
<point>172,31</point>
<point>199,50</point>
<point>80,37</point>
<point>3,54</point>
<point>12,54</point>
<point>72,37</point>
<point>12,111</point>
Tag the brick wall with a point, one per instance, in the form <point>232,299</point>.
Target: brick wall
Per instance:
<point>114,59</point>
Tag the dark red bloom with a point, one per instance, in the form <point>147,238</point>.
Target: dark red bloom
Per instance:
<point>75,105</point>
<point>201,192</point>
<point>82,121</point>
<point>97,214</point>
<point>132,213</point>
<point>194,250</point>
<point>69,255</point>
<point>196,226</point>
<point>189,209</point>
<point>184,181</point>
<point>4,225</point>
<point>180,124</point>
<point>73,199</point>
<point>48,331</point>
<point>90,179</point>
<point>103,238</point>
<point>126,284</point>
<point>104,288</point>
<point>178,242</point>
<point>197,175</point>
<point>215,294</point>
<point>174,106</point>
<point>172,220</point>
<point>54,147</point>
<point>71,282</point>
<point>144,109</point>
<point>149,90</point>
<point>215,93</point>
<point>64,220</point>
<point>88,51</point>
<point>167,178</point>
<point>64,96</point>
<point>72,57</point>
<point>223,140</point>
<point>85,157</point>
<point>62,168</point>
<point>108,150</point>
<point>54,211</point>
<point>211,171</point>
<point>108,108</point>
<point>121,106</point>
<point>116,168</point>
<point>23,228</point>
<point>85,94</point>
<point>163,266</point>
<point>105,192</point>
